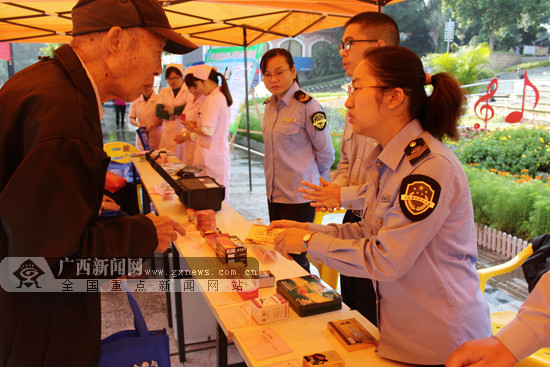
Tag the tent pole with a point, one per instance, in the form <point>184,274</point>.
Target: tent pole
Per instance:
<point>247,110</point>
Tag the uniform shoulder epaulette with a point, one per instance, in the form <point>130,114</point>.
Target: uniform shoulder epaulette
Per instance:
<point>267,100</point>
<point>416,150</point>
<point>302,96</point>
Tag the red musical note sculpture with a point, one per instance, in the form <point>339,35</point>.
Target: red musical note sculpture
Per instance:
<point>516,116</point>
<point>486,107</point>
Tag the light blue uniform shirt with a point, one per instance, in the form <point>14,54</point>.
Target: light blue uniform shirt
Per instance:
<point>350,173</point>
<point>429,299</point>
<point>295,150</point>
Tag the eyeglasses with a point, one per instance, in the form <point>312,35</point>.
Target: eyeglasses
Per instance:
<point>352,89</point>
<point>174,78</point>
<point>277,74</point>
<point>346,45</point>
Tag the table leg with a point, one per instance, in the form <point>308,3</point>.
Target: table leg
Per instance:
<point>166,265</point>
<point>178,304</point>
<point>221,350</point>
<point>221,347</point>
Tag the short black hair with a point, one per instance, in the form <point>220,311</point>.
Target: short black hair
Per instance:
<point>389,32</point>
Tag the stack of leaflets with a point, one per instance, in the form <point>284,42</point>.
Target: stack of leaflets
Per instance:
<point>307,295</point>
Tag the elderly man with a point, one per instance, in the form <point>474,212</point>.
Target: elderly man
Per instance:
<point>52,173</point>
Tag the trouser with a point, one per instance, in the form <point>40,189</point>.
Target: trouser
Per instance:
<point>120,112</point>
<point>297,212</point>
<point>358,293</point>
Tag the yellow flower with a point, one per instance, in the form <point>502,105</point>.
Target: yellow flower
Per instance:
<point>523,156</point>
<point>503,138</point>
<point>542,140</point>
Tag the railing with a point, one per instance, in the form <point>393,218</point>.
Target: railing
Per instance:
<point>500,242</point>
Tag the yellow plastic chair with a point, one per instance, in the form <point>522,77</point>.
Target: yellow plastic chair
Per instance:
<point>120,151</point>
<point>329,275</point>
<point>541,358</point>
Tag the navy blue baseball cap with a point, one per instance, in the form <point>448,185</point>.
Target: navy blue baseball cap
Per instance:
<point>100,15</point>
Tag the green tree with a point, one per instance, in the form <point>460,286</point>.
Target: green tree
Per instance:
<point>412,19</point>
<point>467,64</point>
<point>436,22</point>
<point>327,61</point>
<point>496,21</point>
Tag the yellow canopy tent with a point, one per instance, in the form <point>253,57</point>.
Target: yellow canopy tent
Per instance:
<point>205,22</point>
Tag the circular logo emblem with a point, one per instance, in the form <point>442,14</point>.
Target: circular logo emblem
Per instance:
<point>319,120</point>
<point>418,196</point>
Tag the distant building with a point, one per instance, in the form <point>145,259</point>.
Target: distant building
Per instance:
<point>304,47</point>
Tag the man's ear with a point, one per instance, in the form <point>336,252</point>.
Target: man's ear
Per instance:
<point>113,40</point>
<point>381,43</point>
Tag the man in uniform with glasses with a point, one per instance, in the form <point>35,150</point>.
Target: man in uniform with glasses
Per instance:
<point>363,31</point>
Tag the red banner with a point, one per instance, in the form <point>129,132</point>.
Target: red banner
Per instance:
<point>5,53</point>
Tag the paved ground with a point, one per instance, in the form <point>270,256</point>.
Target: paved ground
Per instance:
<point>505,293</point>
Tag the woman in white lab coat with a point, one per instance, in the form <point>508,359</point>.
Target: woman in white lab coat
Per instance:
<point>191,113</point>
<point>172,100</point>
<point>211,130</point>
<point>142,114</point>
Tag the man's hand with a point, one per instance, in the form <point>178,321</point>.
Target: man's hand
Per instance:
<point>488,352</point>
<point>109,204</point>
<point>166,230</point>
<point>290,242</point>
<point>189,125</point>
<point>324,197</point>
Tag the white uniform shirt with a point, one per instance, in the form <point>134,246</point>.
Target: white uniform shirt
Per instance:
<point>191,113</point>
<point>170,128</point>
<point>212,152</point>
<point>144,112</point>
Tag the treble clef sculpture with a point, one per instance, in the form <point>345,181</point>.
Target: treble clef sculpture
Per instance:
<point>486,107</point>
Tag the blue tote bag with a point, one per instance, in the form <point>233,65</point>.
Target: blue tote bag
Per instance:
<point>135,347</point>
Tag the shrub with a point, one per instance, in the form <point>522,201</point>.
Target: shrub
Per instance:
<point>467,64</point>
<point>528,65</point>
<point>513,150</point>
<point>520,209</point>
